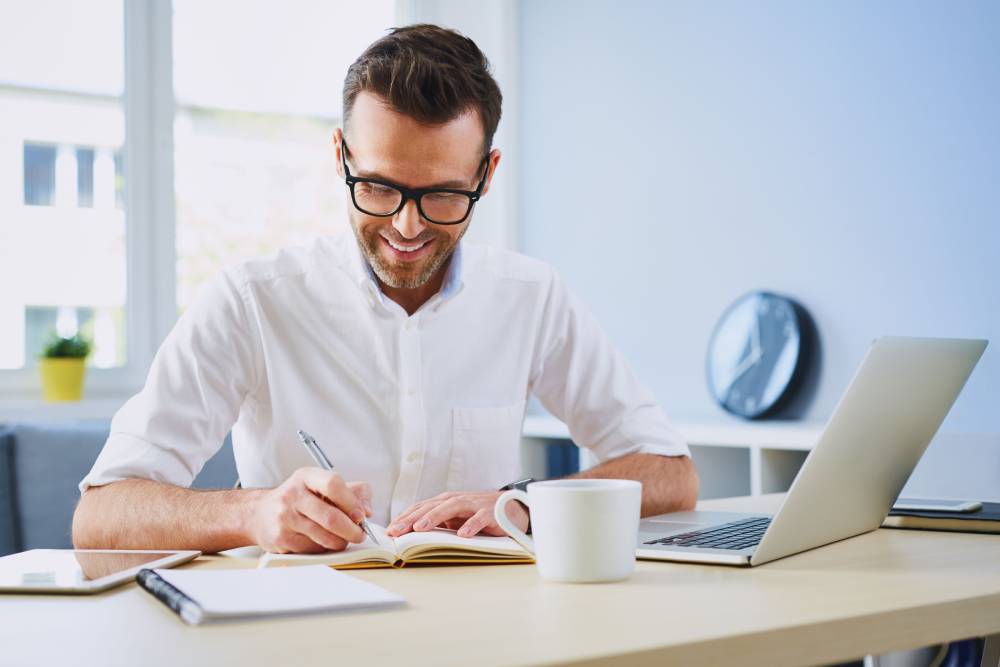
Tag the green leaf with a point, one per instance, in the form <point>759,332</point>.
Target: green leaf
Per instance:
<point>75,347</point>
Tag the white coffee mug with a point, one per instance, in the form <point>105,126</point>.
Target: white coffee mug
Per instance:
<point>582,530</point>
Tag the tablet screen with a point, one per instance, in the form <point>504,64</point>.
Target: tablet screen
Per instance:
<point>67,568</point>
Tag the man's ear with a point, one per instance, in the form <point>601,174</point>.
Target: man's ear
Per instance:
<point>491,165</point>
<point>338,145</point>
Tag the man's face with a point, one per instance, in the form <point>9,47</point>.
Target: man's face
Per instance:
<point>405,250</point>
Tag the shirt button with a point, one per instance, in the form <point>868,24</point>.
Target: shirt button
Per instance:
<point>411,391</point>
<point>413,458</point>
<point>409,324</point>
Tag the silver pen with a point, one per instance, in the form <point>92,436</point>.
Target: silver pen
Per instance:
<point>320,458</point>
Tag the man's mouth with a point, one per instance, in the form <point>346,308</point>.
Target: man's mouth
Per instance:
<point>407,250</point>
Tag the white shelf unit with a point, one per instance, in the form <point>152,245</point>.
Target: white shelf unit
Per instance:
<point>733,458</point>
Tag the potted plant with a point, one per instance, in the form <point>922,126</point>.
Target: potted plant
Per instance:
<point>62,368</point>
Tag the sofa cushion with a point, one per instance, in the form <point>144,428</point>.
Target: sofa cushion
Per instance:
<point>9,533</point>
<point>50,459</point>
<point>219,472</point>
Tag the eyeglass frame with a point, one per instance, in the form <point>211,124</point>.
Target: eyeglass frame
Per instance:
<point>412,193</point>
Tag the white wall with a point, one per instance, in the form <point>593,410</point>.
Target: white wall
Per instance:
<point>675,155</point>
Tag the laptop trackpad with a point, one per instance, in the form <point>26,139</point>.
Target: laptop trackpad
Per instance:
<point>664,528</point>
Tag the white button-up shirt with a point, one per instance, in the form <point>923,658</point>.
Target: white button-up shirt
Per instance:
<point>414,405</point>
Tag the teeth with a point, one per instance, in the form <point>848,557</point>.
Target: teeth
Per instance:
<point>404,248</point>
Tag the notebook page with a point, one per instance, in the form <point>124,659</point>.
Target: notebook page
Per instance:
<point>416,542</point>
<point>255,592</point>
<point>383,550</point>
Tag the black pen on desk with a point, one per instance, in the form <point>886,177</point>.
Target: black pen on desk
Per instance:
<point>320,458</point>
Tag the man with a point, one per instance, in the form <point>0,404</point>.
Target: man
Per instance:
<point>408,354</point>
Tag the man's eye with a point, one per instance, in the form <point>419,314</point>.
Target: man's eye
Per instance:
<point>375,190</point>
<point>443,197</point>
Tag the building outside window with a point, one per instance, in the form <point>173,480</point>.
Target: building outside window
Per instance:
<point>62,241</point>
<point>39,175</point>
<point>85,177</point>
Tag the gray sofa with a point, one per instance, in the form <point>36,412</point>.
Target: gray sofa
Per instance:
<point>40,467</point>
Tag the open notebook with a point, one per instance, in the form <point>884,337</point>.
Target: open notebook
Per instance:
<point>441,547</point>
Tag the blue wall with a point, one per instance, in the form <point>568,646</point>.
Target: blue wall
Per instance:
<point>675,155</point>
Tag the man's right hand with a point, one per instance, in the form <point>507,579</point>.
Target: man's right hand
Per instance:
<point>313,510</point>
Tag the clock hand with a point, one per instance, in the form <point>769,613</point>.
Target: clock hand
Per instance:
<point>748,362</point>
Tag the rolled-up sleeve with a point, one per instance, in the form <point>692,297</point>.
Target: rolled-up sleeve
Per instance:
<point>196,386</point>
<point>583,380</point>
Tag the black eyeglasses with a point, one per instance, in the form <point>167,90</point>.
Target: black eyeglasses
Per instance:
<point>442,206</point>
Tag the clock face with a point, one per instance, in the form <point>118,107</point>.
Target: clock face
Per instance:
<point>754,353</point>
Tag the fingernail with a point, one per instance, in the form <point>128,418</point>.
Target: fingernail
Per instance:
<point>393,527</point>
<point>464,532</point>
<point>420,525</point>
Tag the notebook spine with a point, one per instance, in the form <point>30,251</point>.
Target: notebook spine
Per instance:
<point>182,605</point>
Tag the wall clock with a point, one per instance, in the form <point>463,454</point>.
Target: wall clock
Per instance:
<point>757,354</point>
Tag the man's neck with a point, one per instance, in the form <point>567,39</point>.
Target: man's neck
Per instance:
<point>410,300</point>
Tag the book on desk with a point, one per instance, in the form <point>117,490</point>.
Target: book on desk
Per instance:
<point>434,547</point>
<point>984,520</point>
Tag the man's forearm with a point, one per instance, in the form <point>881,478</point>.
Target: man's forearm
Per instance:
<point>143,514</point>
<point>669,483</point>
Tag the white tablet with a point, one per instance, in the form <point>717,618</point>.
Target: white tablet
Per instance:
<point>80,570</point>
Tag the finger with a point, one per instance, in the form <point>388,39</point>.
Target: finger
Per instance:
<point>458,507</point>
<point>331,486</point>
<point>411,521</point>
<point>423,504</point>
<point>330,518</point>
<point>404,522</point>
<point>363,492</point>
<point>477,522</point>
<point>305,526</point>
<point>297,543</point>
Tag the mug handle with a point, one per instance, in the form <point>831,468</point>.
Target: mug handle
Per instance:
<point>501,516</point>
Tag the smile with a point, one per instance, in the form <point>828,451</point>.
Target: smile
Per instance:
<point>408,252</point>
<point>406,248</point>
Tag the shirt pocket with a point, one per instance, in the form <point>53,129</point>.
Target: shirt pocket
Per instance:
<point>485,447</point>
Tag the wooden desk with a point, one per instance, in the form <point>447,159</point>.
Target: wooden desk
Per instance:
<point>887,590</point>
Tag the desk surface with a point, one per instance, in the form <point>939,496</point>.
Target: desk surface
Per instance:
<point>886,590</point>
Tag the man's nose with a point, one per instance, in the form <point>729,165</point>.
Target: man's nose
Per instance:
<point>408,222</point>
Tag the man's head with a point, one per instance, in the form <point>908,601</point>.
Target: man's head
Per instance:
<point>420,111</point>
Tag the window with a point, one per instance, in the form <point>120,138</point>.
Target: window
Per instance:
<point>39,175</point>
<point>85,177</point>
<point>62,241</point>
<point>253,159</point>
<point>243,97</point>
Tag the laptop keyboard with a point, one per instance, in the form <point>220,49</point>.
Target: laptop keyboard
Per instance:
<point>736,535</point>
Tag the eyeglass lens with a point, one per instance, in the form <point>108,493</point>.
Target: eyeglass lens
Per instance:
<point>378,199</point>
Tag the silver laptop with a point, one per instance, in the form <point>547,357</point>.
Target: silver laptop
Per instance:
<point>848,483</point>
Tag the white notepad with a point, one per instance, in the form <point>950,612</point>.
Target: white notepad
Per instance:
<point>200,596</point>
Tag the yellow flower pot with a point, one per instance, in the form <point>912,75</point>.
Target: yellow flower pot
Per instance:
<point>62,378</point>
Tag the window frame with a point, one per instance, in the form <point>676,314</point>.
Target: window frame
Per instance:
<point>150,310</point>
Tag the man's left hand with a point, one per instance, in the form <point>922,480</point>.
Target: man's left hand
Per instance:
<point>468,513</point>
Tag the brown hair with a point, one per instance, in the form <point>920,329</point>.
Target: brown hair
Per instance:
<point>429,73</point>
